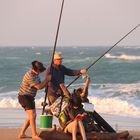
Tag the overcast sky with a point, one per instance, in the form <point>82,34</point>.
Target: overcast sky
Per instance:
<point>84,22</point>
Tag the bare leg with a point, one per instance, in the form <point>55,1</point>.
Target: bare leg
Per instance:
<point>24,128</point>
<point>82,130</point>
<point>72,128</point>
<point>32,117</point>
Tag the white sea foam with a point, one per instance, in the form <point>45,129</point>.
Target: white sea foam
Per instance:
<point>9,103</point>
<point>123,57</point>
<point>108,98</point>
<point>115,106</point>
<point>38,53</point>
<point>75,60</point>
<point>103,105</point>
<point>13,103</point>
<point>129,89</point>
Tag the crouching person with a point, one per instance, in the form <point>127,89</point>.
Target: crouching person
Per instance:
<point>71,117</point>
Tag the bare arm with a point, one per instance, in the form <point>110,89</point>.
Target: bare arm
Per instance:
<point>65,91</point>
<point>41,85</point>
<point>85,87</point>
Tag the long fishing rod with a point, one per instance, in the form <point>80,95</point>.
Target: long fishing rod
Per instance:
<point>105,53</point>
<point>58,27</point>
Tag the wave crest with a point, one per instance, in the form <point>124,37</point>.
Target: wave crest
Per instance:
<point>123,57</point>
<point>104,105</point>
<point>115,106</point>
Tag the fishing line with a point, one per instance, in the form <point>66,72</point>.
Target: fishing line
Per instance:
<point>105,53</point>
<point>55,43</point>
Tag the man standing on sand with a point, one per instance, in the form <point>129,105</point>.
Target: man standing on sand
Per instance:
<point>58,72</point>
<point>27,92</point>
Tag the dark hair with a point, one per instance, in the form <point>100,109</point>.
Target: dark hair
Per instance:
<point>76,100</point>
<point>78,91</point>
<point>38,66</point>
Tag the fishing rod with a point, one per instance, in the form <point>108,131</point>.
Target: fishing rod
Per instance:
<point>105,53</point>
<point>55,43</point>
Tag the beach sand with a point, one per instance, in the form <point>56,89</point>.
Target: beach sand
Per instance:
<point>12,133</point>
<point>10,123</point>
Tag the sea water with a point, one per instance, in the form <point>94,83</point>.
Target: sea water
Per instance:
<point>115,80</point>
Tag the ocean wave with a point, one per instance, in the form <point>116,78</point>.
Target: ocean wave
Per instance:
<point>103,90</point>
<point>1,88</point>
<point>108,98</point>
<point>123,57</point>
<point>119,88</point>
<point>13,103</point>
<point>103,105</point>
<point>9,103</point>
<point>132,47</point>
<point>12,58</point>
<point>115,106</point>
<point>8,94</point>
<point>38,53</point>
<point>87,59</point>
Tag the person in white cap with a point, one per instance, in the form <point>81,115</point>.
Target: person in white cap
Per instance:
<point>58,72</point>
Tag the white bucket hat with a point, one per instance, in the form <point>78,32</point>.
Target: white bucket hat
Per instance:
<point>58,55</point>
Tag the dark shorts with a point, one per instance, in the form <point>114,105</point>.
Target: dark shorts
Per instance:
<point>27,102</point>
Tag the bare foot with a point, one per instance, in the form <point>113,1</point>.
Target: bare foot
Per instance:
<point>22,136</point>
<point>36,137</point>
